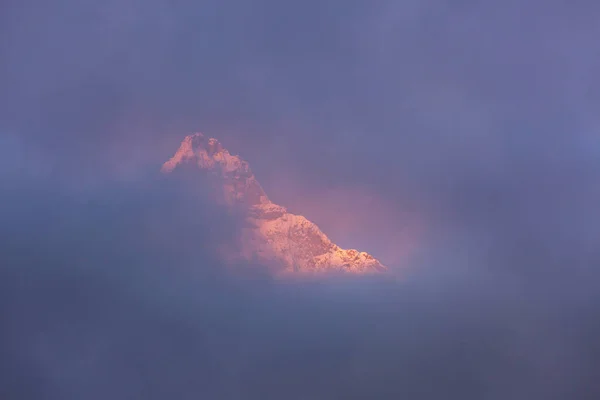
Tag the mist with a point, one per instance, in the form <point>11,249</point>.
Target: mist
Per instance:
<point>467,130</point>
<point>120,292</point>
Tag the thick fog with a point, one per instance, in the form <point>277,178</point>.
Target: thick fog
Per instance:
<point>465,131</point>
<point>118,292</point>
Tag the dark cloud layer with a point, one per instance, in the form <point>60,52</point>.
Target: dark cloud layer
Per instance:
<point>118,293</point>
<point>479,118</point>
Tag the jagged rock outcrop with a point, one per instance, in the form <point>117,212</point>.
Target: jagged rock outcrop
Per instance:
<point>272,235</point>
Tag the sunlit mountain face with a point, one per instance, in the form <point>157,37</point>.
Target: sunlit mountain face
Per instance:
<point>273,236</point>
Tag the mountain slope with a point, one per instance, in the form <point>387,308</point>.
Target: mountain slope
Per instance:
<point>272,235</point>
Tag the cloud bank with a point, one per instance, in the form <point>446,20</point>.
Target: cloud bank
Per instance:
<point>120,293</point>
<point>476,119</point>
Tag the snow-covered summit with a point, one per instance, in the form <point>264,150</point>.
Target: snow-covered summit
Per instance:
<point>235,177</point>
<point>273,235</point>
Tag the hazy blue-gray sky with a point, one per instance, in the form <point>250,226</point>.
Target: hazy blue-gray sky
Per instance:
<point>406,101</point>
<point>467,128</point>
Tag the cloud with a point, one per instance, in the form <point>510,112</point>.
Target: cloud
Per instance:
<point>407,100</point>
<point>119,292</point>
<point>479,118</point>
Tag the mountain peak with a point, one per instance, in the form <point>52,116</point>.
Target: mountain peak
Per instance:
<point>231,172</point>
<point>272,235</point>
<point>206,151</point>
<point>199,141</point>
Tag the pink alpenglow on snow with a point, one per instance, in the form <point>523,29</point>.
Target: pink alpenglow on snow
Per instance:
<point>272,236</point>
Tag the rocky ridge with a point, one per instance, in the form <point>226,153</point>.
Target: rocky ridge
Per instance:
<point>272,235</point>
